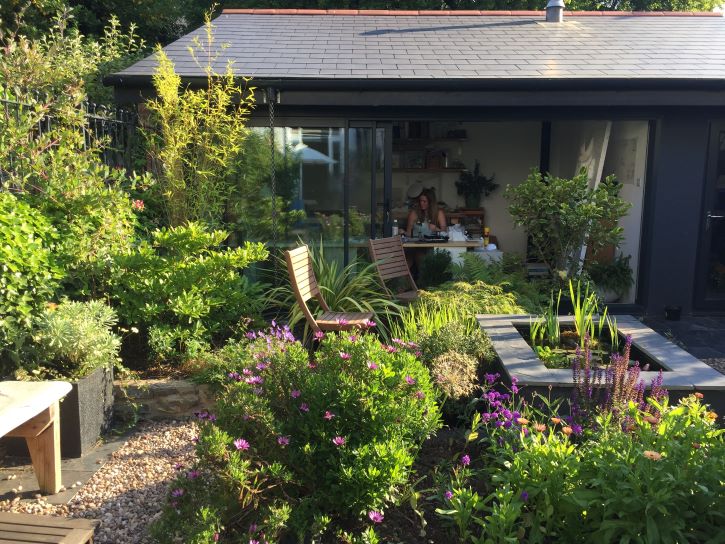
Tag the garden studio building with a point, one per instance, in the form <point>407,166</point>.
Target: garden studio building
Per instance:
<point>370,104</point>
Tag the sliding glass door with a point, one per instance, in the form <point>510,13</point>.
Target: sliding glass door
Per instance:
<point>368,182</point>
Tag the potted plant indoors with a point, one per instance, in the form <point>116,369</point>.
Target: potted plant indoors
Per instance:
<point>73,341</point>
<point>473,186</point>
<point>611,280</point>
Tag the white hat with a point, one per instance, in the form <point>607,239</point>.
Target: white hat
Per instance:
<point>415,189</point>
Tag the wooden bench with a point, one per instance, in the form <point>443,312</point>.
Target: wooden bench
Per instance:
<point>304,285</point>
<point>389,258</point>
<point>15,528</point>
<point>30,410</point>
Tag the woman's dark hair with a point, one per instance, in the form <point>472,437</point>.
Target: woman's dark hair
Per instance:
<point>431,215</point>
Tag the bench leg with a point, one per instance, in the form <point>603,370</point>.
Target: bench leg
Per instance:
<point>45,453</point>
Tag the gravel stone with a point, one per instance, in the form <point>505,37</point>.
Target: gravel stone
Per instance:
<point>129,491</point>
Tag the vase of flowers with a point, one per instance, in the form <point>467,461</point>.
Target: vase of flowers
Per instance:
<point>472,185</point>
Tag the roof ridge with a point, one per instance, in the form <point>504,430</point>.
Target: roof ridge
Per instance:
<point>488,13</point>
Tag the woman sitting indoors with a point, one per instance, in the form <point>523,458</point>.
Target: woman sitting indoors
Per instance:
<point>432,219</point>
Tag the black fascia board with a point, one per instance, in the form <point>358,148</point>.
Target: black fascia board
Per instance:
<point>441,84</point>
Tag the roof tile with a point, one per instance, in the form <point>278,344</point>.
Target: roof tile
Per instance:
<point>473,44</point>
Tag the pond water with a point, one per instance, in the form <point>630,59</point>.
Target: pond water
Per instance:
<point>562,356</point>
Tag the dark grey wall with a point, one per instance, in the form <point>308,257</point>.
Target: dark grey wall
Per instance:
<point>675,191</point>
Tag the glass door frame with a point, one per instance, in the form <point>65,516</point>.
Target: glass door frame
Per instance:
<point>709,205</point>
<point>376,127</point>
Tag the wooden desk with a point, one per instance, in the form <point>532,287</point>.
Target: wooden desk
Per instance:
<point>456,249</point>
<point>30,410</point>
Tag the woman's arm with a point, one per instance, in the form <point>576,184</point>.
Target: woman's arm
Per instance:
<point>442,220</point>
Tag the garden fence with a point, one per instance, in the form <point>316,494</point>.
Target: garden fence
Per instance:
<point>116,128</point>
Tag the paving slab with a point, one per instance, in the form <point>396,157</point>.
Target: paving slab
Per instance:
<point>683,371</point>
<point>702,336</point>
<point>17,471</point>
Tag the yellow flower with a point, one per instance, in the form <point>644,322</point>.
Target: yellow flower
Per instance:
<point>51,306</point>
<point>522,421</point>
<point>699,395</point>
<point>567,430</point>
<point>712,416</point>
<point>653,455</point>
<point>652,420</point>
<point>540,427</point>
<point>555,420</point>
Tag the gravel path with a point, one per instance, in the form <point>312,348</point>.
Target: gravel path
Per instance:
<point>127,493</point>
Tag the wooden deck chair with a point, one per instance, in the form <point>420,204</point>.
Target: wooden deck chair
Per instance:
<point>304,284</point>
<point>389,258</point>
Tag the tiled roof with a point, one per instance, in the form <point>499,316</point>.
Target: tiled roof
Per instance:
<point>343,45</point>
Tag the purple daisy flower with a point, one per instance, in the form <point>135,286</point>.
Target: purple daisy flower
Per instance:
<point>178,492</point>
<point>295,393</point>
<point>338,441</point>
<point>304,407</point>
<point>241,444</point>
<point>410,380</point>
<point>448,495</point>
<point>465,460</point>
<point>328,415</point>
<point>283,440</point>
<point>376,517</point>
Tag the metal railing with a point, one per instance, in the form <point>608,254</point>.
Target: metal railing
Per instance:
<point>114,131</point>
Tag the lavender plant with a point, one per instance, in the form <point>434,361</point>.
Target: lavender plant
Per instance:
<point>611,390</point>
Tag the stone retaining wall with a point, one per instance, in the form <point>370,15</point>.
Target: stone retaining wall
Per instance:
<point>160,399</point>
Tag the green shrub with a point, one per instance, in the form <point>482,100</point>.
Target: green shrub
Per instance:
<point>435,268</point>
<point>562,215</point>
<point>184,290</point>
<point>474,298</point>
<point>65,64</point>
<point>29,274</point>
<point>60,173</point>
<point>452,302</point>
<point>326,440</point>
<point>72,339</point>
<point>510,274</point>
<point>658,479</point>
<point>456,336</point>
<point>456,354</point>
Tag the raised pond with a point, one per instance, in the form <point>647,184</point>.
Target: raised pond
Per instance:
<point>682,372</point>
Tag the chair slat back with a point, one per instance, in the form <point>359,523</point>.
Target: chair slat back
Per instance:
<point>389,257</point>
<point>390,262</point>
<point>301,274</point>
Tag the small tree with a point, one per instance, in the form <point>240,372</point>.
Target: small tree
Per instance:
<point>196,136</point>
<point>562,215</point>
